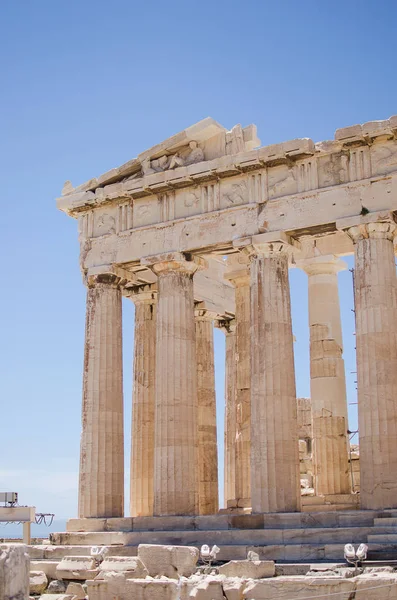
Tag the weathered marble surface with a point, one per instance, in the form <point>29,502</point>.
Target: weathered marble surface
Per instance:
<point>207,193</point>
<point>14,572</point>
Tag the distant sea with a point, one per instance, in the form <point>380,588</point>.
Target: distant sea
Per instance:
<point>14,530</point>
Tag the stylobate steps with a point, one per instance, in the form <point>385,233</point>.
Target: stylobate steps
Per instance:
<point>296,537</point>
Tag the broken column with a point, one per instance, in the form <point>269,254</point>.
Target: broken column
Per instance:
<point>142,431</point>
<point>275,482</point>
<point>176,441</point>
<point>101,484</point>
<point>376,341</point>
<point>206,400</point>
<point>239,276</point>
<point>229,328</point>
<point>327,377</point>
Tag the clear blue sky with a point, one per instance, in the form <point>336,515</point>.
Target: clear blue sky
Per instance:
<point>85,86</point>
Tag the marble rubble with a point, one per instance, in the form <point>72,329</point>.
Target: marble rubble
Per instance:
<point>236,580</point>
<point>201,231</point>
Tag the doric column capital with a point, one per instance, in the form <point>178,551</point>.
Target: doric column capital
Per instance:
<point>273,244</point>
<point>175,262</point>
<point>203,313</point>
<point>146,294</point>
<point>228,326</point>
<point>108,279</point>
<point>322,265</point>
<point>238,271</point>
<point>239,277</point>
<point>379,225</point>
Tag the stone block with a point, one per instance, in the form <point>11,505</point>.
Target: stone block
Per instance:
<point>271,552</point>
<point>282,520</point>
<point>117,586</point>
<point>386,522</point>
<point>142,589</point>
<point>212,522</point>
<point>292,569</point>
<point>171,561</point>
<point>14,572</point>
<point>209,589</point>
<point>163,523</point>
<point>36,552</point>
<point>348,133</point>
<point>333,552</point>
<point>298,587</point>
<point>246,521</point>
<point>132,566</point>
<point>304,552</point>
<point>233,589</point>
<point>352,519</point>
<point>77,567</point>
<point>119,524</point>
<point>93,538</point>
<point>380,586</point>
<point>47,566</point>
<point>299,147</point>
<point>76,590</point>
<point>376,128</point>
<point>57,586</point>
<point>76,525</point>
<point>250,569</point>
<point>37,582</point>
<point>320,519</point>
<point>385,538</point>
<point>232,552</point>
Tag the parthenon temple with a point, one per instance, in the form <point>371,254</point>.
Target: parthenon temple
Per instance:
<point>199,232</point>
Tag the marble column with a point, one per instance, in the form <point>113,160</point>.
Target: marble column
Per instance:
<point>240,278</point>
<point>275,481</point>
<point>376,342</point>
<point>229,329</point>
<point>101,484</point>
<point>176,473</point>
<point>142,430</point>
<point>327,377</point>
<point>207,439</point>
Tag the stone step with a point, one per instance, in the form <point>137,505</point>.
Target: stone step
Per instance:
<point>386,521</point>
<point>387,514</point>
<point>279,552</point>
<point>388,538</point>
<point>382,551</point>
<point>323,513</point>
<point>47,566</point>
<point>58,552</point>
<point>225,536</point>
<point>329,507</point>
<point>331,499</point>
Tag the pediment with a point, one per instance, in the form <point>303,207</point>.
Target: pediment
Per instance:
<point>203,141</point>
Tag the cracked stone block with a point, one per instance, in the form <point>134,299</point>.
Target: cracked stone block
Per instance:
<point>171,561</point>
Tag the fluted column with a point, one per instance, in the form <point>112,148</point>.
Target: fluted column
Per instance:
<point>376,341</point>
<point>327,377</point>
<point>176,449</point>
<point>207,439</point>
<point>101,484</point>
<point>240,278</point>
<point>275,484</point>
<point>229,329</point>
<point>142,430</point>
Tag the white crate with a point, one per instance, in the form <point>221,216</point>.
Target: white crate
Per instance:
<point>8,497</point>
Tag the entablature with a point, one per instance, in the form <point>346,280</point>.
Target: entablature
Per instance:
<point>201,190</point>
